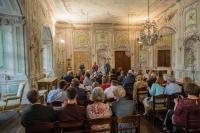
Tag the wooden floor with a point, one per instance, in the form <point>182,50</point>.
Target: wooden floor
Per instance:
<point>10,123</point>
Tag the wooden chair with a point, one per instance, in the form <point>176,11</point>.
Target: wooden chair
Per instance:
<point>141,92</point>
<point>98,122</point>
<point>133,120</point>
<point>187,128</point>
<point>13,100</point>
<point>43,127</point>
<point>70,127</point>
<point>159,107</point>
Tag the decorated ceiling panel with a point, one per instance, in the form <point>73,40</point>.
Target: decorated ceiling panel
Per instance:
<point>107,11</point>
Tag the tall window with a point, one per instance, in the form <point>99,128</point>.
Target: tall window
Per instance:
<point>12,55</point>
<point>47,50</point>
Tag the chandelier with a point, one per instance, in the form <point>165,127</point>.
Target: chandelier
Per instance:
<point>148,36</point>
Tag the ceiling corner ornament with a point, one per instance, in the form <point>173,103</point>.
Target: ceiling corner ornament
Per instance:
<point>149,36</point>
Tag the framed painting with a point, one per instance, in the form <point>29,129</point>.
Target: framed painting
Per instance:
<point>191,18</point>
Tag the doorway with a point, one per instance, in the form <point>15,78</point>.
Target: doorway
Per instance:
<point>122,60</point>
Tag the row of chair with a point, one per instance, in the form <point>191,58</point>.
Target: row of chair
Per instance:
<point>85,126</point>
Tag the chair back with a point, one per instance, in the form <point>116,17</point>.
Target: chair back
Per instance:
<point>192,124</point>
<point>99,122</point>
<point>142,91</point>
<point>42,127</point>
<point>127,124</point>
<point>20,90</point>
<point>170,100</point>
<point>160,103</point>
<point>70,127</point>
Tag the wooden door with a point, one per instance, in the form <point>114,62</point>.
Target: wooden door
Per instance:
<point>82,58</point>
<point>122,60</point>
<point>164,59</point>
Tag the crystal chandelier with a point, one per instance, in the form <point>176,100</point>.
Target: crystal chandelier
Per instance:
<point>148,36</point>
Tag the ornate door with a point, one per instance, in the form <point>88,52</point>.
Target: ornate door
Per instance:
<point>122,60</point>
<point>82,58</point>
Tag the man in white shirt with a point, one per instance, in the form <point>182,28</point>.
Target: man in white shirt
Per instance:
<point>112,91</point>
<point>58,94</point>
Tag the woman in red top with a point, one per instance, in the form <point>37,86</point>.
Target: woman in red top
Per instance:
<point>182,105</point>
<point>105,83</point>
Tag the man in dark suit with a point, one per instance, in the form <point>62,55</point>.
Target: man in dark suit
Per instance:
<point>36,112</point>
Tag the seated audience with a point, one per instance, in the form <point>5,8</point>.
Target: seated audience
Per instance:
<point>36,112</point>
<point>151,79</point>
<point>192,101</point>
<point>172,87</point>
<point>156,89</point>
<point>121,77</point>
<point>123,107</point>
<point>139,84</point>
<point>129,79</point>
<point>69,76</point>
<point>58,94</point>
<point>87,81</point>
<point>98,109</point>
<point>81,93</point>
<point>112,75</point>
<point>109,92</point>
<point>71,111</point>
<point>105,83</point>
<point>186,80</point>
<point>128,84</point>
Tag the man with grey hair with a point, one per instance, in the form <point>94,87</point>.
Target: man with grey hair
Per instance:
<point>123,107</point>
<point>172,87</point>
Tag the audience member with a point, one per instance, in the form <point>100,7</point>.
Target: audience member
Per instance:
<point>36,112</point>
<point>156,89</point>
<point>192,101</point>
<point>69,76</point>
<point>172,87</point>
<point>87,81</point>
<point>123,107</point>
<point>152,79</point>
<point>58,94</point>
<point>110,92</point>
<point>139,84</point>
<point>105,83</point>
<point>81,93</point>
<point>98,109</point>
<point>71,111</point>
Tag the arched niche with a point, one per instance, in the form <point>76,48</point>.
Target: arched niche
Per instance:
<point>164,48</point>
<point>191,51</point>
<point>47,52</point>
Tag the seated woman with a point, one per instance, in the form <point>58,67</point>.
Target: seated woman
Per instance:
<point>98,109</point>
<point>177,116</point>
<point>156,89</point>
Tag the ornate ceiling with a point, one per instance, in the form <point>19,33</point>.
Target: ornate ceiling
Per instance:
<point>107,11</point>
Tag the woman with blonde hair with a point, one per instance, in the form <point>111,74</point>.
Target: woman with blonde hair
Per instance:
<point>156,89</point>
